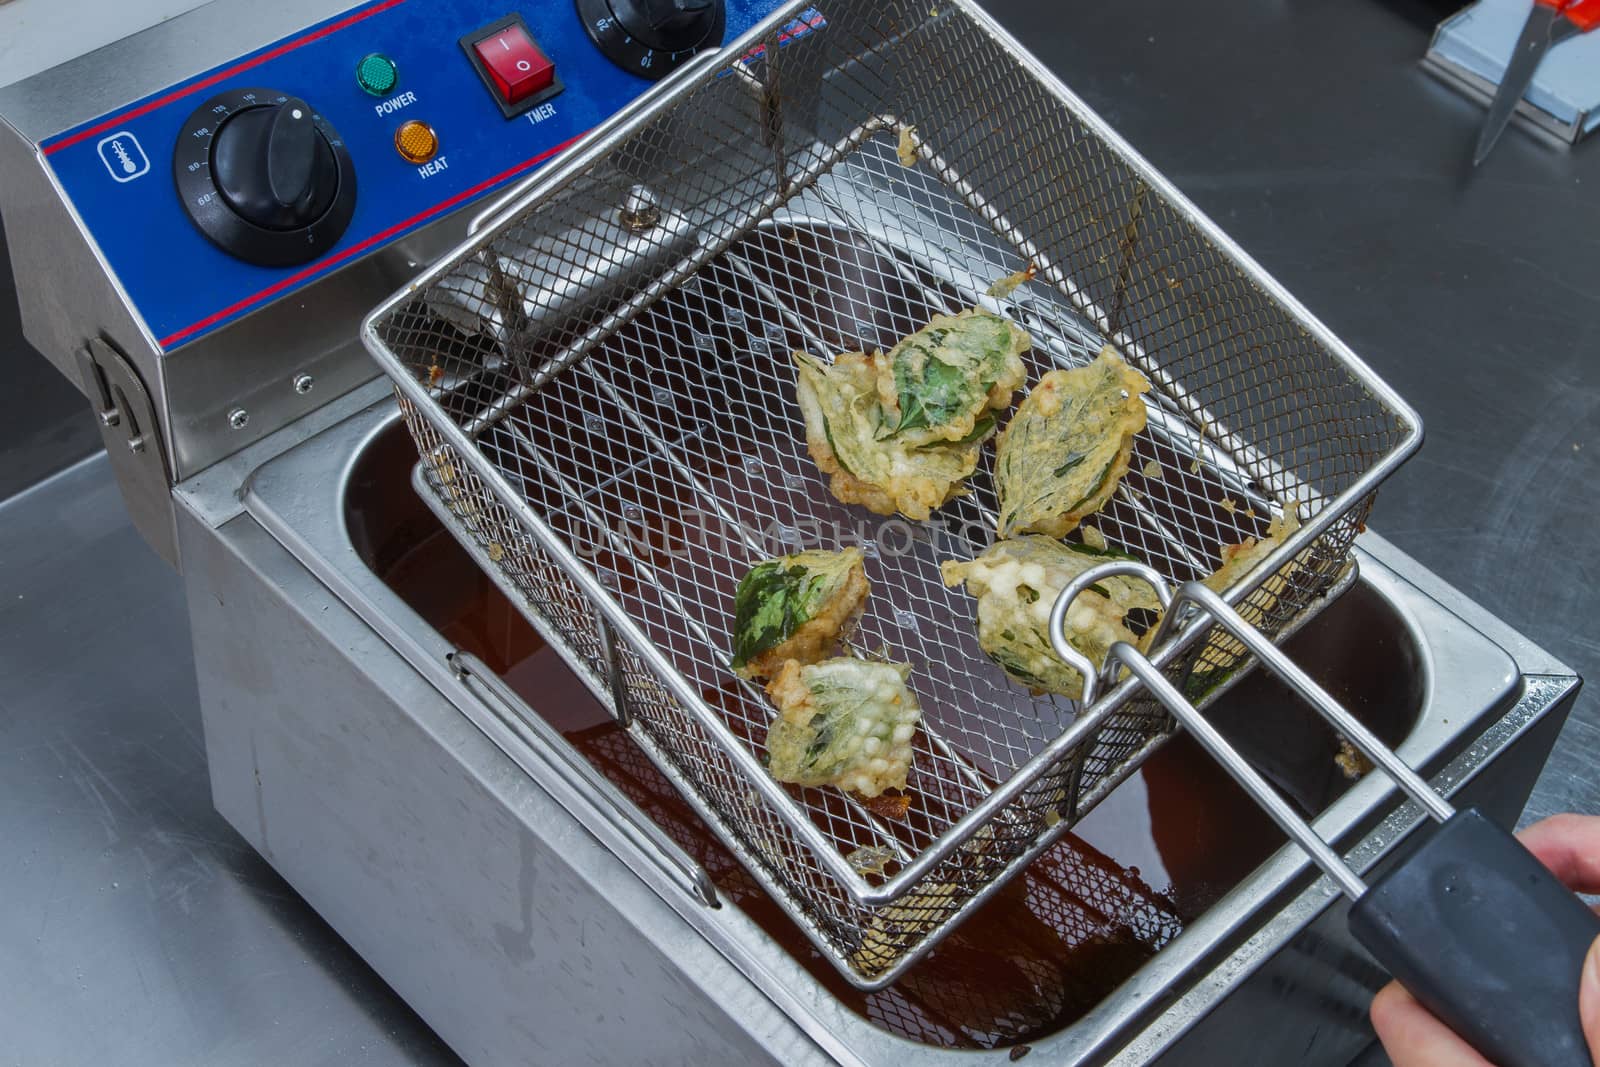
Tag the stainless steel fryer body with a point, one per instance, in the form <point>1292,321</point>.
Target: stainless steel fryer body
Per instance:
<point>507,908</point>
<point>67,295</point>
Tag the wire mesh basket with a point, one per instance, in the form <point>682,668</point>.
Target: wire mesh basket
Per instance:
<point>600,387</point>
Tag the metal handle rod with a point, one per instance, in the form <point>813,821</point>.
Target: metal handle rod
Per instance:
<point>1210,607</point>
<point>1213,606</point>
<point>1468,916</point>
<point>1058,615</point>
<point>1236,765</point>
<point>529,727</point>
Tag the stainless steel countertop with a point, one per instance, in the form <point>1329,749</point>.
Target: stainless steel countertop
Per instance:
<point>136,926</point>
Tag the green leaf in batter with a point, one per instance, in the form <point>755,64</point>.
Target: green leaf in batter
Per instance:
<point>1016,583</point>
<point>1063,453</point>
<point>770,604</point>
<point>844,722</point>
<point>901,431</point>
<point>980,430</point>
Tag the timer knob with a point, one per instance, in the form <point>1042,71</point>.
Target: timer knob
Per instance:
<point>265,177</point>
<point>668,25</point>
<point>273,168</point>
<point>653,37</point>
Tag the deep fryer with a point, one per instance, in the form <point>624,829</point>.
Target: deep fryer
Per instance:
<point>474,857</point>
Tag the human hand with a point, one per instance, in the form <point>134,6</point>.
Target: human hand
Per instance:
<point>1569,845</point>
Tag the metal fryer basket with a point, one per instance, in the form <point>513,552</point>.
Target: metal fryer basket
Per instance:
<point>599,386</point>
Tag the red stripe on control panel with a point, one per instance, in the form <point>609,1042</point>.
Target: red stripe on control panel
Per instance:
<point>357,249</point>
<point>220,76</point>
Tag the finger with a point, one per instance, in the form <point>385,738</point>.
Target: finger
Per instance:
<point>1569,845</point>
<point>1589,1000</point>
<point>1413,1037</point>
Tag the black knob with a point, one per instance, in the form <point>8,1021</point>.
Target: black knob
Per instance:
<point>653,37</point>
<point>265,177</point>
<point>667,25</point>
<point>273,168</point>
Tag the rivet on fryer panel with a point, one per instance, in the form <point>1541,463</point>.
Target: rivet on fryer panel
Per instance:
<point>238,418</point>
<point>641,209</point>
<point>303,383</point>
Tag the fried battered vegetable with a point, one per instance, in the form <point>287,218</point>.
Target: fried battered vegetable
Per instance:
<point>1004,287</point>
<point>1017,581</point>
<point>1064,452</point>
<point>906,149</point>
<point>939,383</point>
<point>901,431</point>
<point>1351,761</point>
<point>843,424</point>
<point>1239,560</point>
<point>795,608</point>
<point>844,722</point>
<point>893,927</point>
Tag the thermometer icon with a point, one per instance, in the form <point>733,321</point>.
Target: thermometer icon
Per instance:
<point>123,156</point>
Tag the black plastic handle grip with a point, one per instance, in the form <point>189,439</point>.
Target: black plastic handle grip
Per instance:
<point>1487,939</point>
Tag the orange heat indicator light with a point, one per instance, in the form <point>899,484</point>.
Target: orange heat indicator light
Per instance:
<point>416,142</point>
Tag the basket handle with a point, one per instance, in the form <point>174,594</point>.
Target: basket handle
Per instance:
<point>1471,923</point>
<point>645,836</point>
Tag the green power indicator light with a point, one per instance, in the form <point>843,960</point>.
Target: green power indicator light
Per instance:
<point>377,74</point>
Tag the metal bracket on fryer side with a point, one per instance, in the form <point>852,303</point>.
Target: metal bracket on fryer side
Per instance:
<point>502,295</point>
<point>512,713</point>
<point>128,427</point>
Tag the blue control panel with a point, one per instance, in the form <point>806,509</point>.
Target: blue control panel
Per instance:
<point>118,170</point>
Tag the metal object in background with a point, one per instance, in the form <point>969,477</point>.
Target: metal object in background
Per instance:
<point>647,837</point>
<point>1549,23</point>
<point>648,377</point>
<point>42,415</point>
<point>1468,916</point>
<point>67,293</point>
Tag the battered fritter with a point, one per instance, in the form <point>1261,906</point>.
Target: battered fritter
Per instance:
<point>796,608</point>
<point>844,722</point>
<point>901,431</point>
<point>1017,581</point>
<point>1063,453</point>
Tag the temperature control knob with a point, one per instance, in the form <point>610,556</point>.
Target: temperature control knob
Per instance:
<point>652,38</point>
<point>265,177</point>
